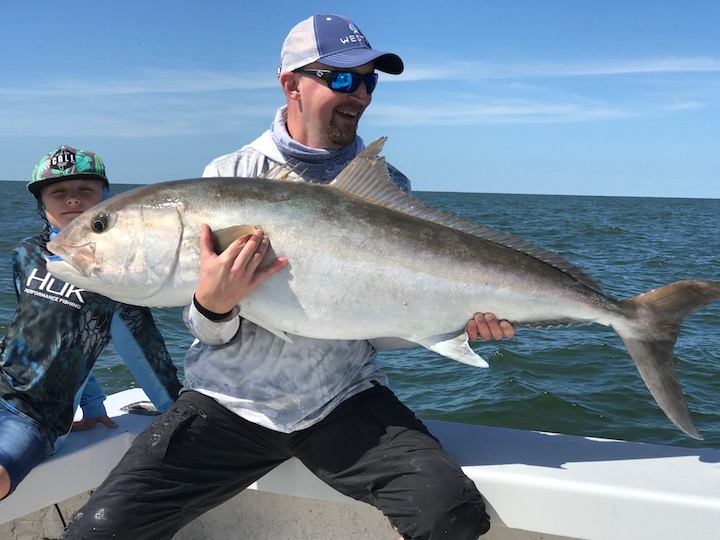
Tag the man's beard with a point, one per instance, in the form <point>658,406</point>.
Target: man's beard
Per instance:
<point>341,137</point>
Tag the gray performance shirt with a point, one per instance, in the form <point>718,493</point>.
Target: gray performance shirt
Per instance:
<point>270,382</point>
<point>259,376</point>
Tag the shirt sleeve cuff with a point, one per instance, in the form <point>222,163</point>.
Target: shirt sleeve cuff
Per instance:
<point>213,332</point>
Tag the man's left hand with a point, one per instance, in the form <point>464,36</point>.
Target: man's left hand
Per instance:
<point>487,326</point>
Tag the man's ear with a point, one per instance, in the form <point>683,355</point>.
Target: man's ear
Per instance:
<point>289,83</point>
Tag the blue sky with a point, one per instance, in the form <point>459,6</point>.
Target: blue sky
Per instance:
<point>616,97</point>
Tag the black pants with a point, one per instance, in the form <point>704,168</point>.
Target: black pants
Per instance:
<point>198,454</point>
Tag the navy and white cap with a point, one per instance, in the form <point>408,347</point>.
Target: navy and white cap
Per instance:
<point>335,41</point>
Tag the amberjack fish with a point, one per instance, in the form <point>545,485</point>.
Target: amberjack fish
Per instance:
<point>366,261</point>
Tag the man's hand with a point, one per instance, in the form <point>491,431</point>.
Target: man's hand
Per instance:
<point>486,326</point>
<point>87,423</point>
<point>227,278</point>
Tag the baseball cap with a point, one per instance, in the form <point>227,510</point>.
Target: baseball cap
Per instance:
<point>66,163</point>
<point>335,41</point>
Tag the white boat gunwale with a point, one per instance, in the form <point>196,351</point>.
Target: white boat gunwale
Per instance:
<point>549,484</point>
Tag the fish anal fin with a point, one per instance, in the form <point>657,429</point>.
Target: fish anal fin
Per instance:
<point>455,347</point>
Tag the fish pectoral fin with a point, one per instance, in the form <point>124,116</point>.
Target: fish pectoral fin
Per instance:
<point>455,347</point>
<point>222,238</point>
<point>269,327</point>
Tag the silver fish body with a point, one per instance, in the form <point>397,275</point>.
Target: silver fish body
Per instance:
<point>366,261</point>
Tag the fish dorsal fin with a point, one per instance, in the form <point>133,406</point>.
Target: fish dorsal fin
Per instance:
<point>282,171</point>
<point>367,177</point>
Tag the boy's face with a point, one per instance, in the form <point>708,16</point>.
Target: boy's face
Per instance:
<point>67,199</point>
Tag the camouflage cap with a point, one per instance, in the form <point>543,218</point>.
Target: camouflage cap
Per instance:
<point>66,163</point>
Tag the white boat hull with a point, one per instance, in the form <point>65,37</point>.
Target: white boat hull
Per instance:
<point>538,486</point>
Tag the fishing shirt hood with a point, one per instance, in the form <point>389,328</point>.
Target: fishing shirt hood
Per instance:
<point>320,165</point>
<point>49,231</point>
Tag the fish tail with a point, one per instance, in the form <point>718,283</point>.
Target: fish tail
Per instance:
<point>655,318</point>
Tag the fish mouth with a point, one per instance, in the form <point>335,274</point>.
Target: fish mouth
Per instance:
<point>81,257</point>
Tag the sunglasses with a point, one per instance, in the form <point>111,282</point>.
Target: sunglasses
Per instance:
<point>342,81</point>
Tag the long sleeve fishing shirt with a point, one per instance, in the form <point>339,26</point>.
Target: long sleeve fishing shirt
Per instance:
<point>56,336</point>
<point>279,385</point>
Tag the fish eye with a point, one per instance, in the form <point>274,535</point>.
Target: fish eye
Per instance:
<point>100,223</point>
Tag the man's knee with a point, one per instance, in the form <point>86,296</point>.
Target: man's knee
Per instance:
<point>99,521</point>
<point>87,523</point>
<point>465,522</point>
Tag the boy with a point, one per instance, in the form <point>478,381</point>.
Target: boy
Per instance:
<point>59,331</point>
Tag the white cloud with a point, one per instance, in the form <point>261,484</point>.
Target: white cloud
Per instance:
<point>142,82</point>
<point>162,102</point>
<point>461,112</point>
<point>472,71</point>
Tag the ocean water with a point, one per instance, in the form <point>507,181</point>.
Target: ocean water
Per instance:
<point>576,380</point>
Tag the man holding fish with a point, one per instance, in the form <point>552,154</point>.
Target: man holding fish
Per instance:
<point>253,400</point>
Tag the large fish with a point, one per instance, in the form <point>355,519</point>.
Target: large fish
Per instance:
<point>366,261</point>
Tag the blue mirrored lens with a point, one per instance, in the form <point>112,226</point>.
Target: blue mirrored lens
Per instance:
<point>345,81</point>
<point>371,82</point>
